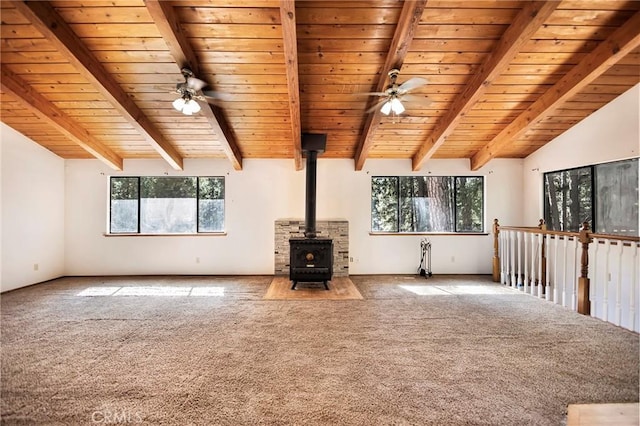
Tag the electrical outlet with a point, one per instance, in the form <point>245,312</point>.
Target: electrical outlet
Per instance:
<point>453,259</point>
<point>197,260</point>
<point>351,259</point>
<point>36,266</point>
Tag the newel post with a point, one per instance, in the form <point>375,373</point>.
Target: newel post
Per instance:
<point>496,256</point>
<point>584,306</point>
<point>543,254</point>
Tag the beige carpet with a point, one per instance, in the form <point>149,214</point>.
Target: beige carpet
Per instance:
<point>341,288</point>
<point>213,351</point>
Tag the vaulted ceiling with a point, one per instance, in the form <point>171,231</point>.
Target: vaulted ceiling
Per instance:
<point>96,79</point>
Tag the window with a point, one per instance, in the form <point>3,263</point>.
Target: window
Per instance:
<point>427,204</point>
<point>568,198</point>
<point>124,204</point>
<point>166,205</point>
<point>605,195</point>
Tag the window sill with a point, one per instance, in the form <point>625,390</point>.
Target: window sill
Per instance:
<point>200,234</point>
<point>372,233</point>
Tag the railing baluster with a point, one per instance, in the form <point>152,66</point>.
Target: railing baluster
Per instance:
<point>504,256</point>
<point>519,245</point>
<point>543,260</point>
<point>556,282</point>
<point>564,272</point>
<point>618,317</point>
<point>533,269</point>
<point>547,290</point>
<point>593,293</point>
<point>539,265</point>
<point>575,274</point>
<point>513,258</point>
<point>534,264</point>
<point>509,255</point>
<point>525,261</point>
<point>632,294</point>
<point>605,294</point>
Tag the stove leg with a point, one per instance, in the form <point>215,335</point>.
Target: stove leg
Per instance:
<point>326,287</point>
<point>293,287</point>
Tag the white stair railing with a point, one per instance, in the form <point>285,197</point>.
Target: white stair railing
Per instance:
<point>594,274</point>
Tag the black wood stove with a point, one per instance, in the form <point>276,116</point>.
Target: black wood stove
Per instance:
<point>311,258</point>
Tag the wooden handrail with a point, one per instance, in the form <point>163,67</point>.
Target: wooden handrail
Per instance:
<point>536,230</point>
<point>614,237</point>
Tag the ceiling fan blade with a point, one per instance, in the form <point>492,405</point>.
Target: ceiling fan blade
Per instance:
<point>213,95</point>
<point>377,105</point>
<point>195,83</point>
<point>411,84</point>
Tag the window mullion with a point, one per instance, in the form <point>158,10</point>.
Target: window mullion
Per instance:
<point>594,204</point>
<point>139,196</point>
<point>455,204</point>
<point>399,196</point>
<point>197,204</point>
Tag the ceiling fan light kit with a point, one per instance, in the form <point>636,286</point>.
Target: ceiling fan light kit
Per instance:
<point>186,105</point>
<point>392,105</point>
<point>395,92</point>
<point>187,91</point>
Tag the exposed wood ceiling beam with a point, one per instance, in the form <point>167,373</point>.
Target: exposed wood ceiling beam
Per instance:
<point>526,23</point>
<point>169,26</point>
<point>407,24</point>
<point>55,117</point>
<point>606,54</point>
<point>47,21</point>
<point>288,22</point>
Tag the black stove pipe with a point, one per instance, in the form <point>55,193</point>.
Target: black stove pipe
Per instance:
<point>312,144</point>
<point>310,197</point>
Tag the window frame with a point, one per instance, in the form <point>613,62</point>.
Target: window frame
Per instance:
<point>138,203</point>
<point>454,180</point>
<point>545,206</point>
<point>593,193</point>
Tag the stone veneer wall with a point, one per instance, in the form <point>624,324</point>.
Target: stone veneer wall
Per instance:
<point>338,230</point>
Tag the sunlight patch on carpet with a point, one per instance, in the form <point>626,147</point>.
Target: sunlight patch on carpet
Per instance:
<point>166,291</point>
<point>451,290</point>
<point>424,290</point>
<point>478,289</point>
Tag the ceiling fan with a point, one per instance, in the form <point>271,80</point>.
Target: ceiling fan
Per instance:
<point>190,91</point>
<point>395,94</point>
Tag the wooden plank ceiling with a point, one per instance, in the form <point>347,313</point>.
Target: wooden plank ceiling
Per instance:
<point>96,79</point>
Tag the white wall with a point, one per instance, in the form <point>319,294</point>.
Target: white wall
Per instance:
<point>32,205</point>
<point>374,254</point>
<point>266,190</point>
<point>255,197</point>
<point>609,134</point>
